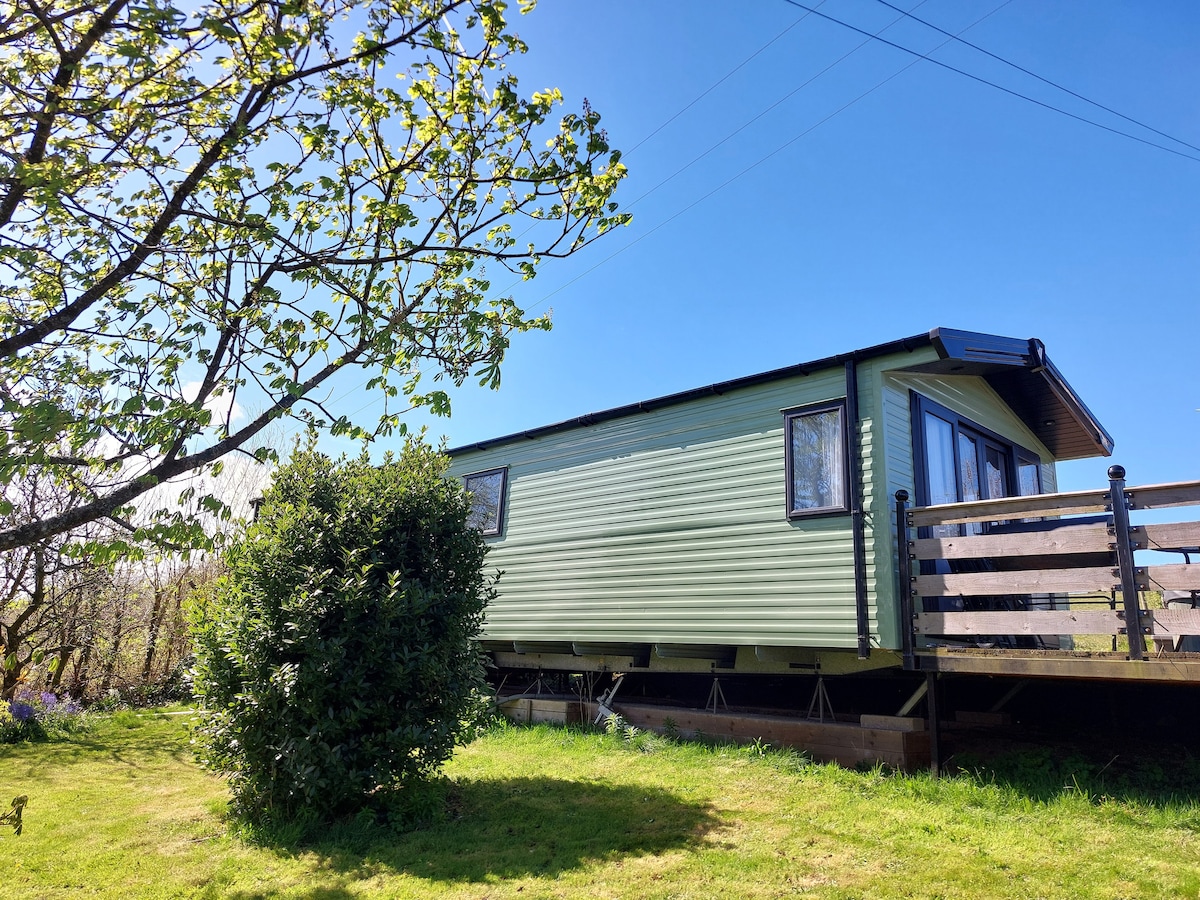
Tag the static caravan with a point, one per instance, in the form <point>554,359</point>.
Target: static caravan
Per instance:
<point>749,526</point>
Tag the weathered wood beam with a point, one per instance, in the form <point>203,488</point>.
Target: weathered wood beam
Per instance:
<point>1010,508</point>
<point>1169,536</point>
<point>1068,539</point>
<point>1161,496</point>
<point>1178,577</point>
<point>1088,579</point>
<point>1151,496</point>
<point>1055,621</point>
<point>1173,667</point>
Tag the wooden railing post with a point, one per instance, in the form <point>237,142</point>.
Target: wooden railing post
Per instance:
<point>904,558</point>
<point>1124,549</point>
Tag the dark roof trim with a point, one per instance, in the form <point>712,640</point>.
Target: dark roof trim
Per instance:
<point>1025,378</point>
<point>1018,370</point>
<point>905,345</point>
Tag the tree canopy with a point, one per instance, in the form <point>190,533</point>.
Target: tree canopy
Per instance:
<point>206,216</point>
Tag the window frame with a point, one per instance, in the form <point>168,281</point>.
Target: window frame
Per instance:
<point>502,471</point>
<point>800,412</point>
<point>1018,454</point>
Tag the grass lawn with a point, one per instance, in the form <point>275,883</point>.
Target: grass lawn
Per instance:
<point>123,811</point>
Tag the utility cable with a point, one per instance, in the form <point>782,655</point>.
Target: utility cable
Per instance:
<point>928,58</point>
<point>1020,68</point>
<point>773,106</point>
<point>716,84</point>
<point>763,159</point>
<point>743,172</point>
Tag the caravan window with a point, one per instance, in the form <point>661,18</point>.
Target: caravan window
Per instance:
<point>816,460</point>
<point>959,461</point>
<point>487,499</point>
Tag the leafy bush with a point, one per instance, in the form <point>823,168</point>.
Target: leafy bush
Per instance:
<point>335,665</point>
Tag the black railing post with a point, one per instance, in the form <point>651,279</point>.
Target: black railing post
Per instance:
<point>1124,550</point>
<point>904,558</point>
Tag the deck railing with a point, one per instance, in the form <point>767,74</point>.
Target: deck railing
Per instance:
<point>1013,572</point>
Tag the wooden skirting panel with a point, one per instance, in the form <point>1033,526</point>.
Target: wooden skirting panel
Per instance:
<point>533,711</point>
<point>846,744</point>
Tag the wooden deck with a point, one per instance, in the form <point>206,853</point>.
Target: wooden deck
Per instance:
<point>1167,667</point>
<point>1012,586</point>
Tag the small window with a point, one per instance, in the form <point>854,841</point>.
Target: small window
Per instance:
<point>487,499</point>
<point>816,460</point>
<point>1029,476</point>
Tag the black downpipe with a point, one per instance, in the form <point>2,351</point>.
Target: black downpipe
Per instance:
<point>856,512</point>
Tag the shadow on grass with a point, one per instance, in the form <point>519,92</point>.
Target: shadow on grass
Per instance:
<point>1159,775</point>
<point>513,828</point>
<point>138,741</point>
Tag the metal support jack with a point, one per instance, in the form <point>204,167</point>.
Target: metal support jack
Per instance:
<point>820,700</point>
<point>537,685</point>
<point>715,696</point>
<point>917,696</point>
<point>605,702</point>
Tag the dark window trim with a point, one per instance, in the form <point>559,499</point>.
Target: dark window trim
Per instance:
<point>920,405</point>
<point>502,471</point>
<point>800,412</point>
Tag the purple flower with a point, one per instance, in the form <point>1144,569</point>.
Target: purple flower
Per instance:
<point>49,701</point>
<point>22,712</point>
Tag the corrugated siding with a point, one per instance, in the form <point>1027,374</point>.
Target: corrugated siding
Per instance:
<point>877,433</point>
<point>670,527</point>
<point>868,443</point>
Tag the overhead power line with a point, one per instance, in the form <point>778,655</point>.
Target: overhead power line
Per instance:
<point>720,81</point>
<point>814,10</point>
<point>641,237</point>
<point>768,156</point>
<point>773,106</point>
<point>712,87</point>
<point>1053,84</point>
<point>1050,106</point>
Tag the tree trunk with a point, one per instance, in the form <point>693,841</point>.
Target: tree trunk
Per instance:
<point>156,613</point>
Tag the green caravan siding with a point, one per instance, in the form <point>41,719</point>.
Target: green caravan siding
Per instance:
<point>669,527</point>
<point>876,438</point>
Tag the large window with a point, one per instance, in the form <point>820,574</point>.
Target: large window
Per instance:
<point>960,461</point>
<point>487,499</point>
<point>817,464</point>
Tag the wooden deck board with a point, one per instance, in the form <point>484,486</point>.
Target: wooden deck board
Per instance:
<point>1168,667</point>
<point>1054,621</point>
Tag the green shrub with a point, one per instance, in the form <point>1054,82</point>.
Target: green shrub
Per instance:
<point>335,666</point>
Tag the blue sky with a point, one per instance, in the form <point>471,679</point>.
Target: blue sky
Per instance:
<point>933,200</point>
